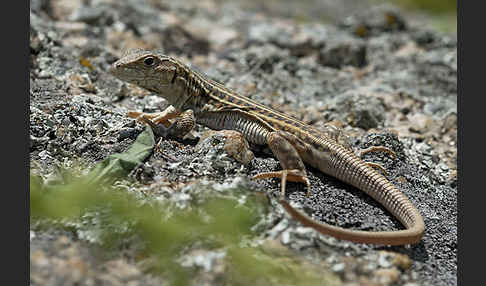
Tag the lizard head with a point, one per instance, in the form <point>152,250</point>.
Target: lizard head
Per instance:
<point>150,70</point>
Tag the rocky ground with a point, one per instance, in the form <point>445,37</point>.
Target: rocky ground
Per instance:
<point>377,75</point>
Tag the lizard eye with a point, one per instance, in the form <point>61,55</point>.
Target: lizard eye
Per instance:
<point>148,61</point>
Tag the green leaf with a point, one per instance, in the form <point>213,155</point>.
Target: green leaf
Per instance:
<point>120,164</point>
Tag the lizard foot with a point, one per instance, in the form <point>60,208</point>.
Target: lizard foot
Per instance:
<point>293,175</point>
<point>156,117</point>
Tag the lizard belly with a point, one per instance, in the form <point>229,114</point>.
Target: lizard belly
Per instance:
<point>252,130</point>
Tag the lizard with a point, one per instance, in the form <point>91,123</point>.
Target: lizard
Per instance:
<point>196,99</point>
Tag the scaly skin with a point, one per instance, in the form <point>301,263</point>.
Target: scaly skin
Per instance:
<point>292,141</point>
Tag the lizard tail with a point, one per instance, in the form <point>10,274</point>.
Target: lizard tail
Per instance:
<point>359,174</point>
<point>411,235</point>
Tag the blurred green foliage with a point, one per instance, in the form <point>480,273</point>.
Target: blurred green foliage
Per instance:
<point>432,6</point>
<point>218,223</point>
<point>442,14</point>
<point>167,232</point>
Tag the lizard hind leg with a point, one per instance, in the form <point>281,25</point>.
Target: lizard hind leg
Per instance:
<point>378,166</point>
<point>375,149</point>
<point>292,165</point>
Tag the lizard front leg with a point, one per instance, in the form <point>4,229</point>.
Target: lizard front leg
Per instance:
<point>162,127</point>
<point>283,147</point>
<point>182,125</point>
<point>157,117</point>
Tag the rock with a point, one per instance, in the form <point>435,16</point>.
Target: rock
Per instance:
<point>387,276</point>
<point>343,51</point>
<point>234,144</point>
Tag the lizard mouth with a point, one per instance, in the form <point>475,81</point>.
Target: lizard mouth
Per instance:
<point>125,73</point>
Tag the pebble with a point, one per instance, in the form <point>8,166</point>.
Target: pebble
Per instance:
<point>338,267</point>
<point>387,276</point>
